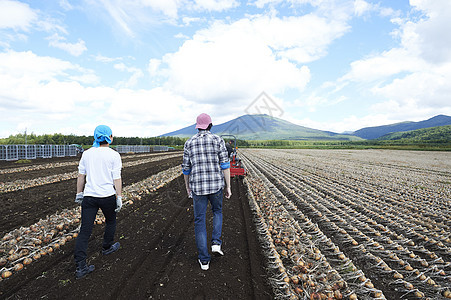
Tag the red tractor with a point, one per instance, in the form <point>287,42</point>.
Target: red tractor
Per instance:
<point>236,166</point>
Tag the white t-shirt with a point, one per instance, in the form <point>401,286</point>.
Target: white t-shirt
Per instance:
<point>101,166</point>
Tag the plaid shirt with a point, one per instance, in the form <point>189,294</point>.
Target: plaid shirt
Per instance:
<point>204,158</point>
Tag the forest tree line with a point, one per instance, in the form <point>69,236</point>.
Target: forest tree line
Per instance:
<point>61,139</point>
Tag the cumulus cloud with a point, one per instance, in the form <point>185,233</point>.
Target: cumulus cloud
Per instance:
<point>301,39</point>
<point>133,80</point>
<point>155,106</point>
<point>383,66</point>
<point>361,7</point>
<point>39,83</point>
<point>415,77</point>
<point>239,60</point>
<point>47,92</point>
<point>16,15</point>
<point>430,35</point>
<point>417,91</point>
<point>75,49</point>
<point>20,18</point>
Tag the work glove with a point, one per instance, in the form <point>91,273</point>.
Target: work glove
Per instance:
<point>79,198</point>
<point>118,203</point>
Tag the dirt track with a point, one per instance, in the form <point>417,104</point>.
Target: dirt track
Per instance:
<point>158,257</point>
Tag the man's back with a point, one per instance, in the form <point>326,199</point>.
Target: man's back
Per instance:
<point>203,155</point>
<point>101,165</point>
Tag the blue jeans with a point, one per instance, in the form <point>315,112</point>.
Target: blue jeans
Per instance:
<point>89,208</point>
<point>200,229</point>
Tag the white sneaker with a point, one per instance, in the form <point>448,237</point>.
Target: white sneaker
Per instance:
<point>216,249</point>
<point>204,266</point>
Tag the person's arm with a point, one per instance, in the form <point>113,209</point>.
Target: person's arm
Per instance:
<point>116,174</point>
<point>81,179</point>
<point>225,167</point>
<point>188,190</point>
<point>117,181</point>
<point>186,168</point>
<point>118,186</point>
<point>228,192</point>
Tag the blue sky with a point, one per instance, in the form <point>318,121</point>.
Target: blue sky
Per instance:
<point>147,67</point>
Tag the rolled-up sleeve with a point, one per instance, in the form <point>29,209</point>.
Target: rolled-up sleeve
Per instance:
<point>186,164</point>
<point>223,157</point>
<point>117,167</point>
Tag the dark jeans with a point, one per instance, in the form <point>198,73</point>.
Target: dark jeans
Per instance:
<point>200,203</point>
<point>89,209</point>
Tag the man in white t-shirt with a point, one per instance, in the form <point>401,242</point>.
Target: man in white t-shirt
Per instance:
<point>99,185</point>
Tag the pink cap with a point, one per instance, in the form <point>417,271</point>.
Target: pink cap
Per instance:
<point>203,120</point>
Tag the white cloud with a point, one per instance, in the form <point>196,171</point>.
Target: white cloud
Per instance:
<point>361,7</point>
<point>384,65</point>
<point>156,106</point>
<point>42,90</point>
<point>75,49</point>
<point>106,59</point>
<point>420,90</point>
<point>181,36</point>
<point>20,65</point>
<point>301,39</point>
<point>154,65</point>
<point>133,80</point>
<point>415,77</point>
<point>167,7</point>
<point>237,61</point>
<point>131,16</point>
<point>43,84</point>
<point>188,20</point>
<point>66,5</point>
<point>215,5</point>
<point>16,15</point>
<point>432,33</point>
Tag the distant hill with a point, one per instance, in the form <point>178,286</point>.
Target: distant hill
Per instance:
<point>432,134</point>
<point>264,127</point>
<point>378,131</point>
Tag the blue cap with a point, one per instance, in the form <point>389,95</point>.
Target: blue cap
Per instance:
<point>102,133</point>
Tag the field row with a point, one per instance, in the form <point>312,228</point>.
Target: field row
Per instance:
<point>336,228</point>
<point>24,245</point>
<point>74,162</point>
<point>24,184</point>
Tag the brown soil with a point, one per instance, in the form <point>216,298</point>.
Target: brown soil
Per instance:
<point>26,207</point>
<point>158,256</point>
<point>7,177</point>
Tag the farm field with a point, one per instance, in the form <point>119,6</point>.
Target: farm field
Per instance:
<point>371,224</point>
<point>158,256</point>
<point>304,224</point>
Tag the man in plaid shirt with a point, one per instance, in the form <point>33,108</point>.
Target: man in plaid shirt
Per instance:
<point>205,167</point>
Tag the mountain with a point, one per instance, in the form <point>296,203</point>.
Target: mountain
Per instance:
<point>375,132</point>
<point>431,134</point>
<point>264,127</point>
